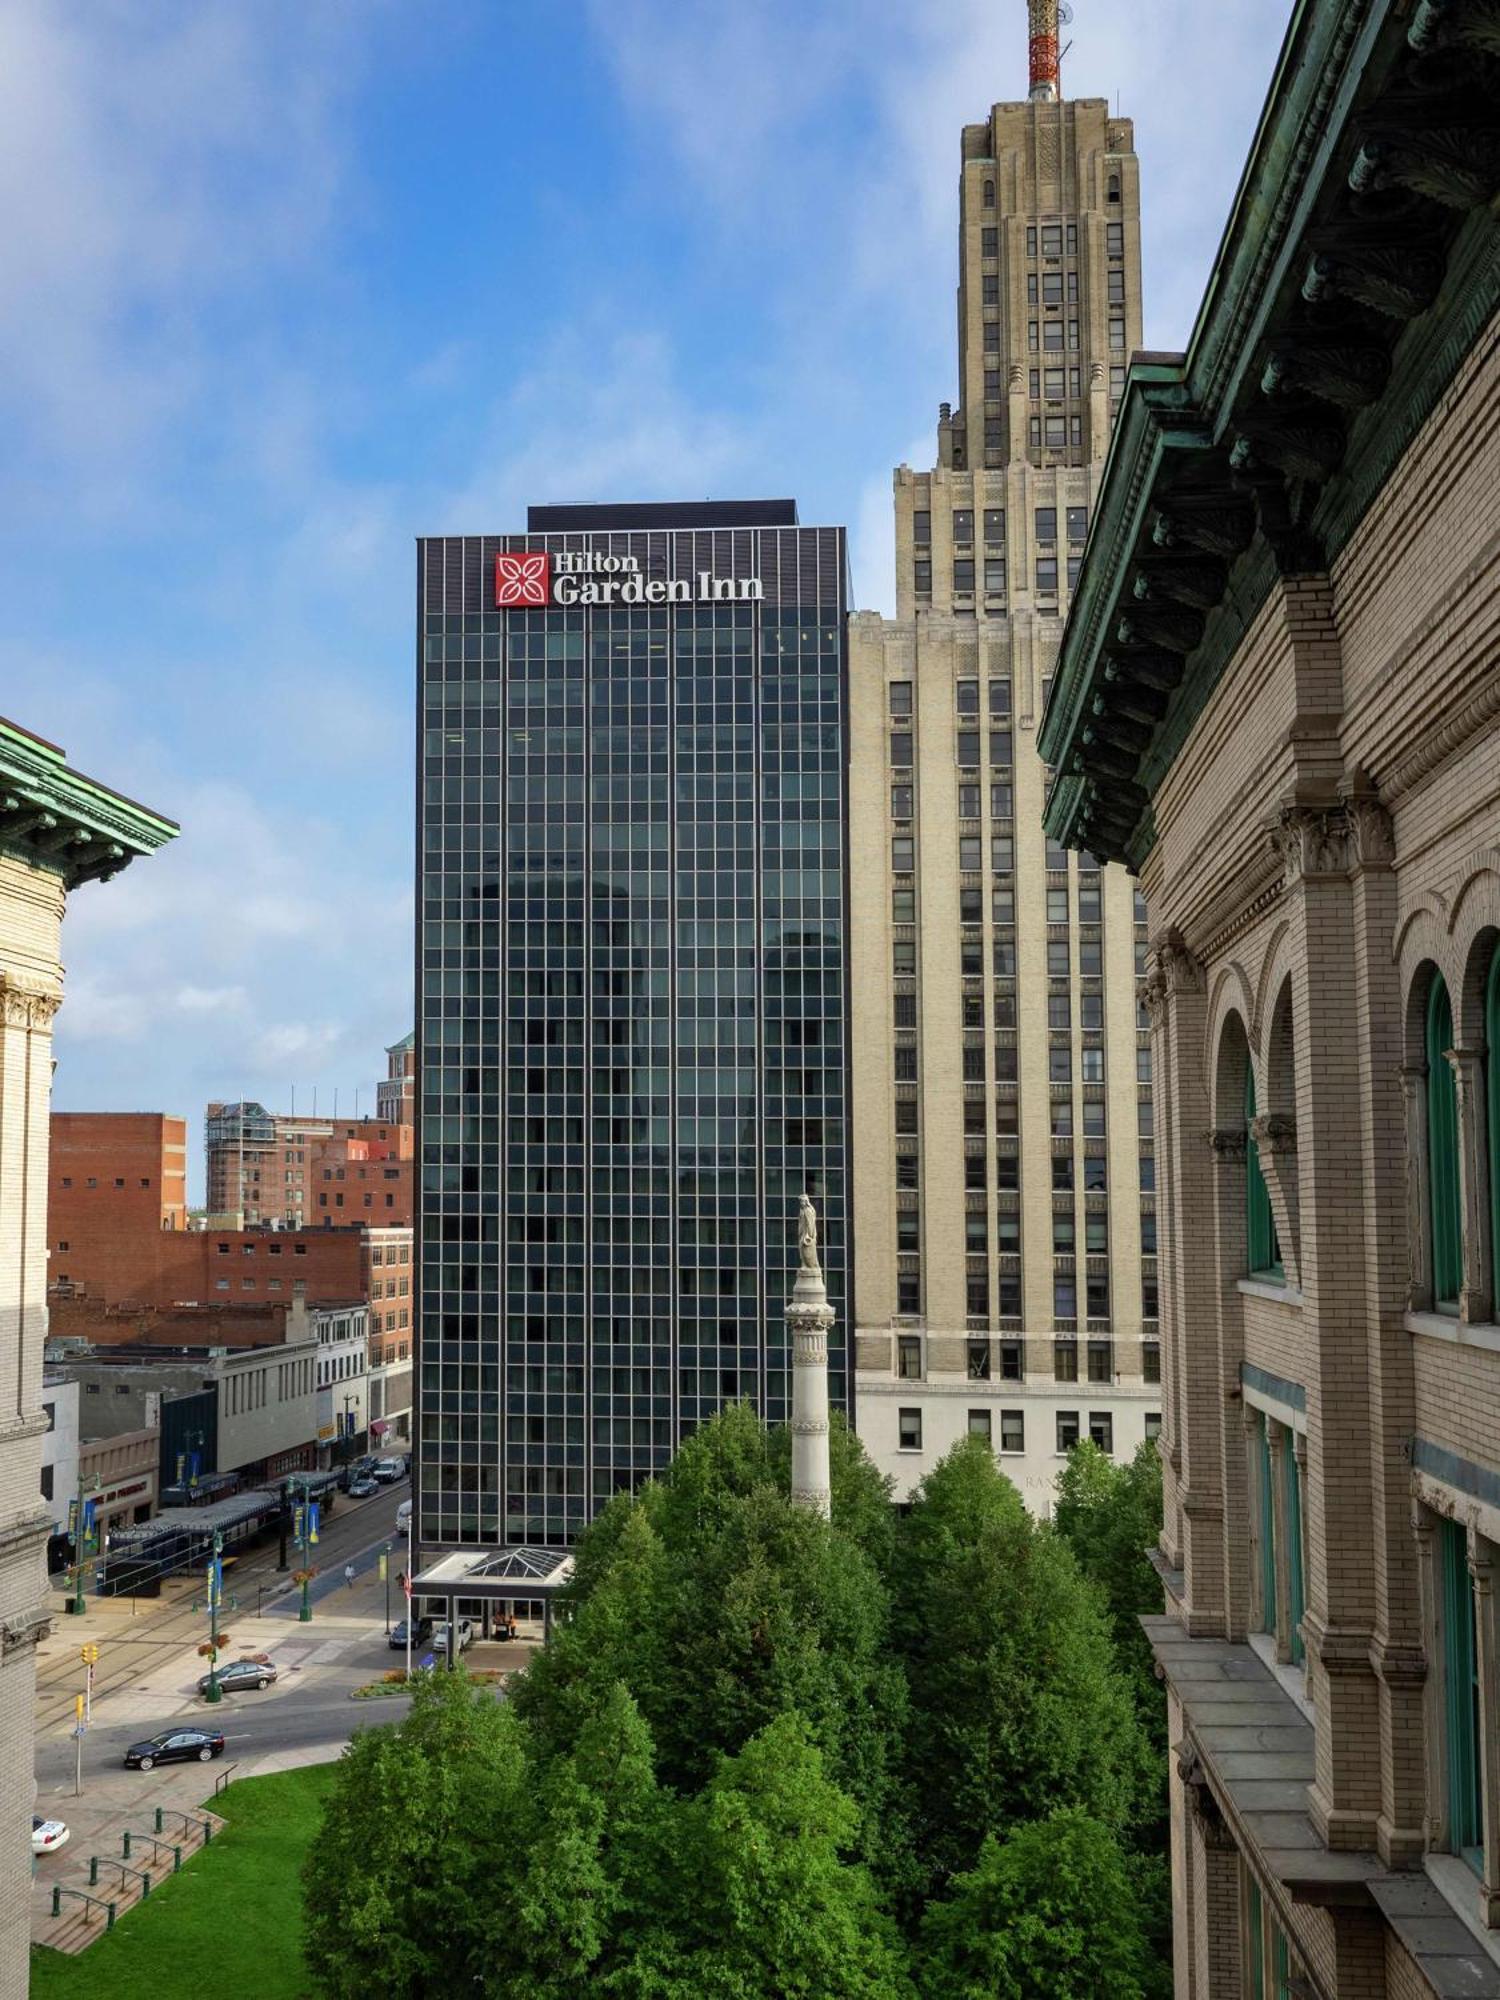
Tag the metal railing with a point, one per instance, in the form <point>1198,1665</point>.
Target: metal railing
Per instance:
<point>93,1902</point>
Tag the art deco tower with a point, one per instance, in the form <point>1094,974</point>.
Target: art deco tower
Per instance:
<point>1004,1208</point>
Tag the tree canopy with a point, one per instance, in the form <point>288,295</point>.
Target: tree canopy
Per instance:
<point>771,1755</point>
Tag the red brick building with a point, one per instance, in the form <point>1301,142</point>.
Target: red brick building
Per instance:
<point>118,1263</point>
<point>263,1167</point>
<point>363,1172</point>
<point>117,1178</point>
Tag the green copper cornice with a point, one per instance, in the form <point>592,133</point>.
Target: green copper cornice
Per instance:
<point>1360,265</point>
<point>57,819</point>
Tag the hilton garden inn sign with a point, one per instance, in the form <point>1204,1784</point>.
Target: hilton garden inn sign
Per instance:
<point>537,578</point>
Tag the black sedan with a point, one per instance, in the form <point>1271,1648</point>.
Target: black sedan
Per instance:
<point>175,1746</point>
<point>421,1633</point>
<point>242,1674</point>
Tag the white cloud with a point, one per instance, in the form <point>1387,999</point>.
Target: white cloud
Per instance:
<point>601,417</point>
<point>157,167</point>
<point>212,999</point>
<point>740,96</point>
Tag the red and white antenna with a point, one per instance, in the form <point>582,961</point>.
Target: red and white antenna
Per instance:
<point>1046,18</point>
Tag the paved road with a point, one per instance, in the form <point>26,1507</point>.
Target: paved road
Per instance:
<point>134,1640</point>
<point>252,1724</point>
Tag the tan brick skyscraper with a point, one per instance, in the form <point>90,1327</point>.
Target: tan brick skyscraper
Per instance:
<point>1004,1224</point>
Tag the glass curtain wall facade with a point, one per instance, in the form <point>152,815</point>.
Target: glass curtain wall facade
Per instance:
<point>633,1039</point>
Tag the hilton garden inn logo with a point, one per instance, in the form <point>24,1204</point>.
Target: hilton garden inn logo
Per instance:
<point>535,579</point>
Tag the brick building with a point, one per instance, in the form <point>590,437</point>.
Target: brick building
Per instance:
<point>395,1094</point>
<point>391,1327</point>
<point>360,1173</point>
<point>123,1265</point>
<point>1278,700</point>
<point>1005,1281</point>
<point>58,831</point>
<point>263,1167</point>
<point>117,1173</point>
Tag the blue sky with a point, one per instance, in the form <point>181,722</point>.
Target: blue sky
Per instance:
<point>286,285</point>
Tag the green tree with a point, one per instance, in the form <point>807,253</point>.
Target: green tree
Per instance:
<point>722,1606</point>
<point>861,1493</point>
<point>1047,1913</point>
<point>425,1817</point>
<point>1109,1515</point>
<point>757,1897</point>
<point>599,1835</point>
<point>1017,1705</point>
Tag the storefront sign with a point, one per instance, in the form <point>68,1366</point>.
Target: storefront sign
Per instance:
<point>535,579</point>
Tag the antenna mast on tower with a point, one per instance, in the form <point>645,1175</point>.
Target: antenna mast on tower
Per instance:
<point>1045,19</point>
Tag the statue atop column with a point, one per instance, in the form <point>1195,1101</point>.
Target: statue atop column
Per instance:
<point>809,1318</point>
<point>807,1238</point>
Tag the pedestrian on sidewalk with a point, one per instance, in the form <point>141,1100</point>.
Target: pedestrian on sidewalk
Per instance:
<point>348,1576</point>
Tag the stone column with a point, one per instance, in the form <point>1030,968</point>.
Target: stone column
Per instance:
<point>1482,1567</point>
<point>26,1010</point>
<point>1189,1315</point>
<point>1228,1152</point>
<point>1435,1766</point>
<point>1418,1234</point>
<point>809,1317</point>
<point>1475,1297</point>
<point>1278,1443</point>
<point>1168,1445</point>
<point>1317,843</point>
<point>1275,1137</point>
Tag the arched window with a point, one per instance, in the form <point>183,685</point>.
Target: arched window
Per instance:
<point>1262,1249</point>
<point>1492,1066</point>
<point>1113,191</point>
<point>989,194</point>
<point>1442,1151</point>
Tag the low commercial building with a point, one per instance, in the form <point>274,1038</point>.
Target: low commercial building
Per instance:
<point>120,1476</point>
<point>343,1388</point>
<point>236,1396</point>
<point>1278,700</point>
<point>59,1483</point>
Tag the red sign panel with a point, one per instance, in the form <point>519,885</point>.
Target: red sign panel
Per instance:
<point>523,581</point>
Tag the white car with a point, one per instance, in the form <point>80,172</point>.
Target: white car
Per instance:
<point>403,1518</point>
<point>440,1635</point>
<point>47,1835</point>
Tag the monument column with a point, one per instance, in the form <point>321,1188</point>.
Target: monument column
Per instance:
<point>809,1317</point>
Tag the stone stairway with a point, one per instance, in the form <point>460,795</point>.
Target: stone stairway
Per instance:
<point>119,1881</point>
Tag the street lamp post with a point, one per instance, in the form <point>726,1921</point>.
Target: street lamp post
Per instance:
<point>214,1692</point>
<point>304,1542</point>
<point>80,1543</point>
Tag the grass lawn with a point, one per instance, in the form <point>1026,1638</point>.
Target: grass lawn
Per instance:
<point>230,1923</point>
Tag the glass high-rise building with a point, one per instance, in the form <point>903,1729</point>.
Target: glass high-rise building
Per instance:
<point>632,993</point>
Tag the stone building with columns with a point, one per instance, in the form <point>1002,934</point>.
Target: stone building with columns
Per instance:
<point>1278,700</point>
<point>58,830</point>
